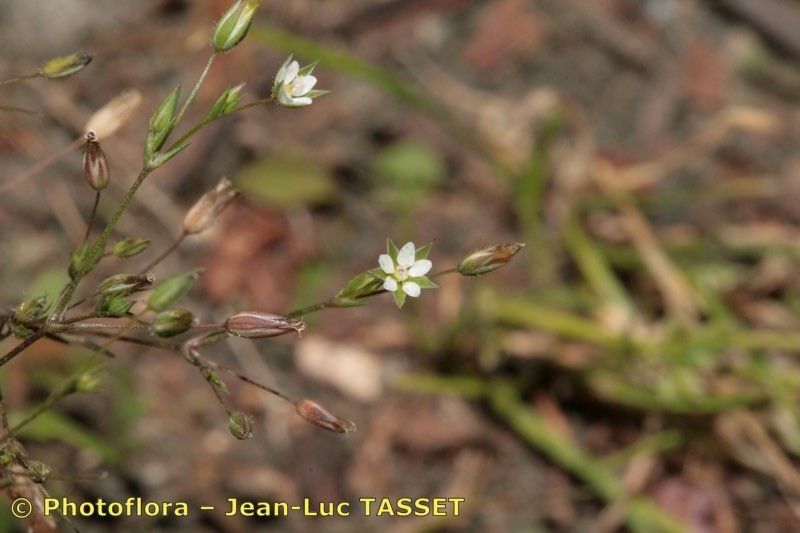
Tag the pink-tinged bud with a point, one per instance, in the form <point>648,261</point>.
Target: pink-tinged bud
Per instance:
<point>107,120</point>
<point>203,213</point>
<point>255,325</point>
<point>95,164</point>
<point>320,416</point>
<point>488,259</point>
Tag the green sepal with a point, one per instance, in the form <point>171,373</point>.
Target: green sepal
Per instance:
<point>168,292</point>
<point>399,298</point>
<point>425,283</point>
<point>423,251</point>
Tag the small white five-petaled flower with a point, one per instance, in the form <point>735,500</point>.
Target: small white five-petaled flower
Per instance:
<point>294,86</point>
<point>403,271</point>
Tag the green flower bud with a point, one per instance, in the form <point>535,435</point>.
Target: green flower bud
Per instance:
<point>124,284</point>
<point>113,306</point>
<point>31,310</point>
<point>90,380</point>
<point>63,66</point>
<point>95,164</point>
<point>255,325</point>
<point>82,260</point>
<point>168,292</point>
<point>129,247</point>
<point>234,24</point>
<point>28,311</point>
<point>161,123</point>
<point>241,425</point>
<point>6,456</point>
<point>38,471</point>
<point>172,322</point>
<point>322,417</point>
<point>488,259</point>
<point>360,286</point>
<point>227,102</point>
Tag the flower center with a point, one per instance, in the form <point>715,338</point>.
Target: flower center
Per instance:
<point>401,273</point>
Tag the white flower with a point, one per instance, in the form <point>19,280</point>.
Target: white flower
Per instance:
<point>405,274</point>
<point>294,86</point>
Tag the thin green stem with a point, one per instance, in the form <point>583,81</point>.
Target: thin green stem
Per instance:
<point>196,88</point>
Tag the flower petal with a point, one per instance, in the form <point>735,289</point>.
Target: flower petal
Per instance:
<point>406,255</point>
<point>291,72</point>
<point>390,284</point>
<point>411,288</point>
<point>303,84</point>
<point>386,263</point>
<point>420,268</point>
<point>284,97</point>
<point>301,101</point>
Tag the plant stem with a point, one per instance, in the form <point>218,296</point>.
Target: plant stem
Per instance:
<point>163,255</point>
<point>97,247</point>
<point>19,348</point>
<point>21,78</point>
<point>310,309</point>
<point>51,400</point>
<point>196,88</point>
<point>92,216</point>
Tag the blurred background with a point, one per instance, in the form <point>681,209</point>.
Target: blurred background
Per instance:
<point>634,368</point>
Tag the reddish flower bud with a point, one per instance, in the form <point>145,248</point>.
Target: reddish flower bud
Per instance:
<point>488,259</point>
<point>255,325</point>
<point>95,164</point>
<point>208,207</point>
<point>320,416</point>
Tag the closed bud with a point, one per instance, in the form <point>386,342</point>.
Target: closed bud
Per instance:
<point>90,380</point>
<point>208,207</point>
<point>172,322</point>
<point>38,471</point>
<point>84,260</point>
<point>488,259</point>
<point>63,66</point>
<point>255,325</point>
<point>232,28</point>
<point>6,456</point>
<point>320,416</point>
<point>226,103</point>
<point>124,284</point>
<point>162,123</point>
<point>168,292</point>
<point>95,164</point>
<point>241,425</point>
<point>113,306</point>
<point>107,120</point>
<point>32,309</point>
<point>129,247</point>
<point>28,311</point>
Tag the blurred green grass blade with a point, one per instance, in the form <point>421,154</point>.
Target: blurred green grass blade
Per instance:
<point>52,426</point>
<point>595,267</point>
<point>641,515</point>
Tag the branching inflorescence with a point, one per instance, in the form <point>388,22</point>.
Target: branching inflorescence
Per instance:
<point>402,271</point>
